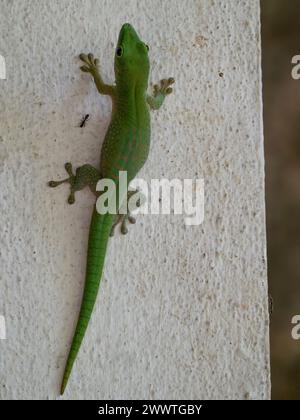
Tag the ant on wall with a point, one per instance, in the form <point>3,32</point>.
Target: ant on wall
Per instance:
<point>84,120</point>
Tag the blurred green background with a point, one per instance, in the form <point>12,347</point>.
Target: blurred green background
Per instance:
<point>281,41</point>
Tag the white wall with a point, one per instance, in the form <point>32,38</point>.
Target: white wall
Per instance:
<point>182,311</point>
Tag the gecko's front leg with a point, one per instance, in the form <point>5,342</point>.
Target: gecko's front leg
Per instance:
<point>86,175</point>
<point>160,92</point>
<point>91,65</point>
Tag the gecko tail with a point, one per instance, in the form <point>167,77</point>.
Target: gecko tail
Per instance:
<point>98,238</point>
<point>63,386</point>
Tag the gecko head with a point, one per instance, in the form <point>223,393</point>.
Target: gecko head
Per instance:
<point>131,57</point>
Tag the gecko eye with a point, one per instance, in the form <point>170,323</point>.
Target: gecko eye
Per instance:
<point>147,46</point>
<point>119,51</point>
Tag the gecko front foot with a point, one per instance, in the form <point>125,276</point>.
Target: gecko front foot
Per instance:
<point>86,175</point>
<point>122,219</point>
<point>91,63</point>
<point>164,87</point>
<point>161,91</point>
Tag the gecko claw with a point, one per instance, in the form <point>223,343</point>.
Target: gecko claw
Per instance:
<point>124,229</point>
<point>91,63</point>
<point>53,184</point>
<point>164,87</point>
<point>71,199</point>
<point>68,167</point>
<point>122,219</point>
<point>85,69</point>
<point>83,57</point>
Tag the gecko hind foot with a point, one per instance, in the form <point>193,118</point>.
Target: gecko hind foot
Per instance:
<point>70,180</point>
<point>123,219</point>
<point>86,175</point>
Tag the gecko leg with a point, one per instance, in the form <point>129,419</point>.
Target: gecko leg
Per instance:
<point>123,219</point>
<point>85,175</point>
<point>91,65</point>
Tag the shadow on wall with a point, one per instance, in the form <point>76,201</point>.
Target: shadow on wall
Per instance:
<point>281,35</point>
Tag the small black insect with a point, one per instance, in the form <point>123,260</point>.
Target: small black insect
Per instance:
<point>84,120</point>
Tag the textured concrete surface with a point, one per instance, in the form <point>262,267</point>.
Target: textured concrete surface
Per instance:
<point>183,310</point>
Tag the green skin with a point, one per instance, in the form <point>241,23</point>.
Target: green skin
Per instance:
<point>125,148</point>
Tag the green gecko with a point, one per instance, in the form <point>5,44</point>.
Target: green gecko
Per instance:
<point>125,148</point>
